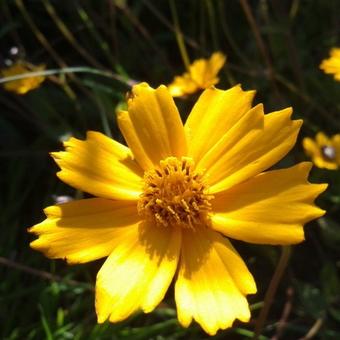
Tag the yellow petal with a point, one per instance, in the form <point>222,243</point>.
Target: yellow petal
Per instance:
<point>216,111</point>
<point>182,85</point>
<point>152,127</point>
<point>138,272</point>
<point>22,86</point>
<point>204,71</point>
<point>256,151</point>
<point>211,283</point>
<point>197,72</point>
<point>322,163</point>
<point>322,139</point>
<point>336,145</point>
<point>101,167</point>
<point>311,148</point>
<point>332,64</point>
<point>336,140</point>
<point>216,62</point>
<point>270,208</point>
<point>84,230</point>
<point>202,74</point>
<point>252,120</point>
<point>335,52</point>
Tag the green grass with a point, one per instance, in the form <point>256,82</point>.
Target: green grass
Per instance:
<point>112,44</point>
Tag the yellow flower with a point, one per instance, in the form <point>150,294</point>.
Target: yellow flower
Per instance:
<point>332,64</point>
<point>22,86</point>
<point>167,200</point>
<point>201,75</point>
<point>324,151</point>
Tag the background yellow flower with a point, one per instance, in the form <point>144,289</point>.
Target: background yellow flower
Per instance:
<point>22,86</point>
<point>324,151</point>
<point>202,74</point>
<point>332,64</point>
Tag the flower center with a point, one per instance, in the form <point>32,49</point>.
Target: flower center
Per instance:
<point>174,194</point>
<point>328,152</point>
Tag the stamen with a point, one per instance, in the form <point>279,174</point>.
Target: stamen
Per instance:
<point>174,194</point>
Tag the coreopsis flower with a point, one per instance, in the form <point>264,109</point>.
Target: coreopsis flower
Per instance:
<point>22,86</point>
<point>165,203</point>
<point>324,151</point>
<point>202,74</point>
<point>332,64</point>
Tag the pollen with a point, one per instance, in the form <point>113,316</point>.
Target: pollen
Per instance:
<point>175,195</point>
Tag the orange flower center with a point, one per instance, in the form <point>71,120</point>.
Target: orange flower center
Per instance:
<point>174,194</point>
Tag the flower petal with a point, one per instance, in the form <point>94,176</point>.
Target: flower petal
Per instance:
<point>215,63</point>
<point>138,272</point>
<point>22,86</point>
<point>152,127</point>
<point>100,166</point>
<point>258,150</point>
<point>270,208</point>
<point>212,281</point>
<point>204,71</point>
<point>182,85</point>
<point>311,148</point>
<point>84,230</point>
<point>332,64</point>
<point>216,111</point>
<point>251,121</point>
<point>322,139</point>
<point>336,145</point>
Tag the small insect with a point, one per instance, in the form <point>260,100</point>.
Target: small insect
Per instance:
<point>129,95</point>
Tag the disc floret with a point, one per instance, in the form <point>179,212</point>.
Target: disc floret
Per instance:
<point>175,194</point>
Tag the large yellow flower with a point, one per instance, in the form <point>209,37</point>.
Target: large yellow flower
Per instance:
<point>167,200</point>
<point>324,151</point>
<point>202,74</point>
<point>22,86</point>
<point>332,64</point>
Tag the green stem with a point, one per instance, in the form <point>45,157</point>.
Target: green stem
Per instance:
<point>68,34</point>
<point>212,23</point>
<point>271,291</point>
<point>38,34</point>
<point>103,115</point>
<point>179,35</point>
<point>228,35</point>
<point>68,70</point>
<point>94,32</point>
<point>260,44</point>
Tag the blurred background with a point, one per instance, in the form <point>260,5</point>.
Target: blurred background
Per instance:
<point>93,51</point>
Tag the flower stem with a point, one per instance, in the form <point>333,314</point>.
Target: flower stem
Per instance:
<point>179,35</point>
<point>268,299</point>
